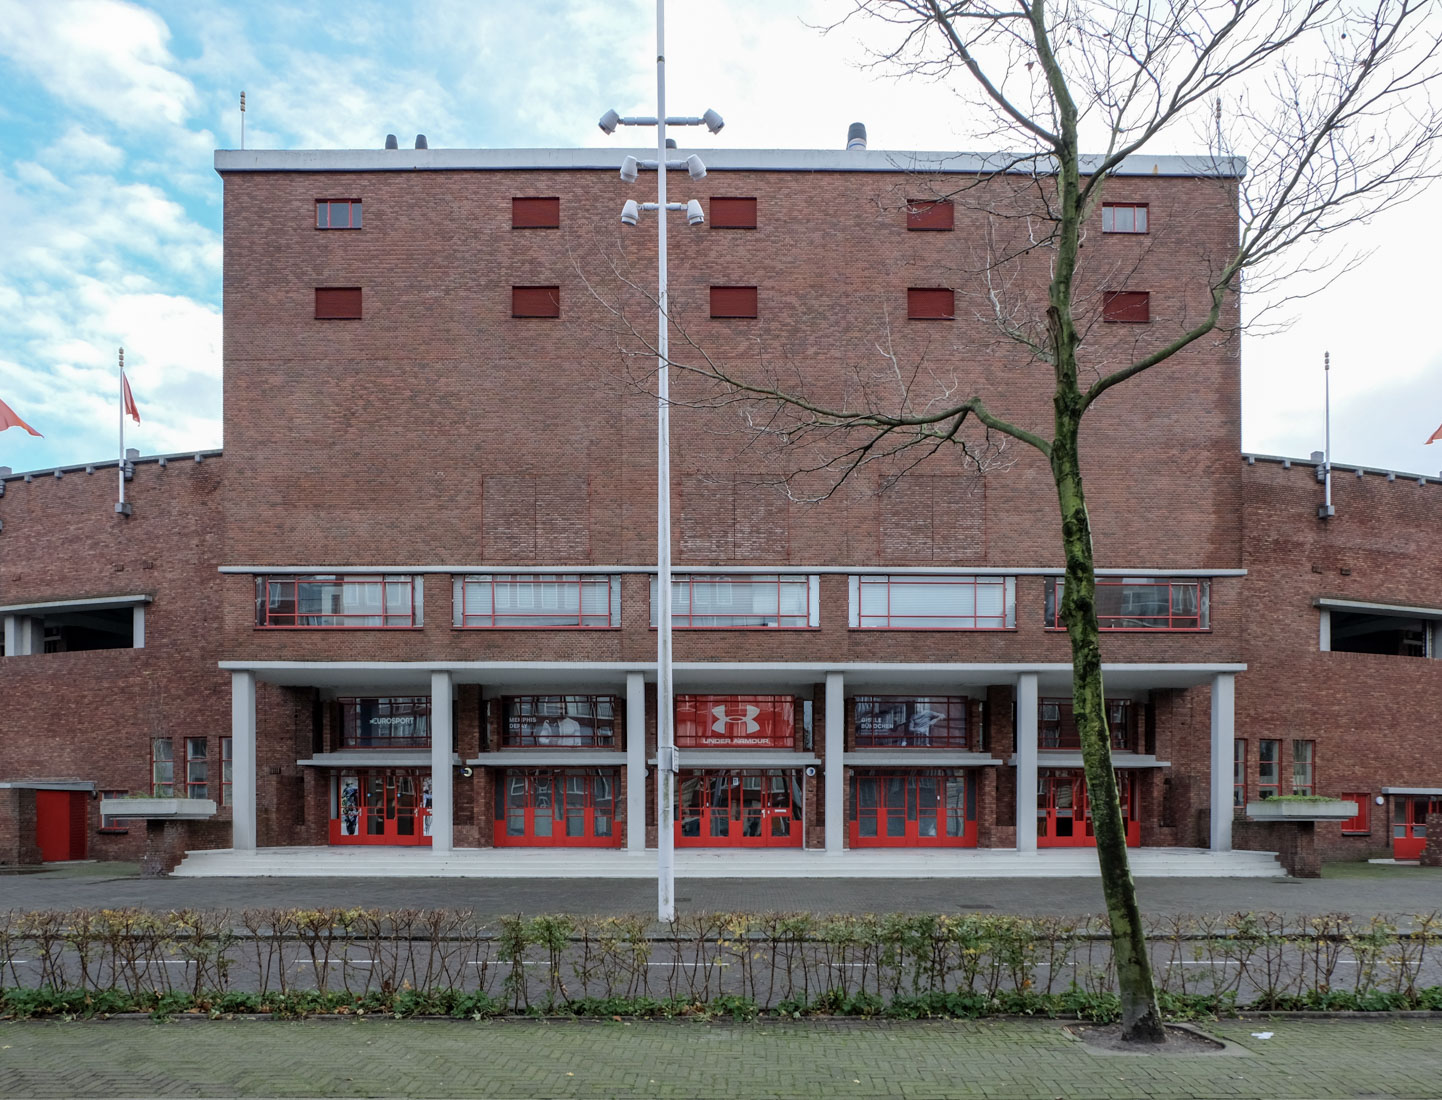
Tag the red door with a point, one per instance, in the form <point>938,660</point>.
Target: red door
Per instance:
<point>60,824</point>
<point>560,808</point>
<point>1409,824</point>
<point>740,808</point>
<point>1063,816</point>
<point>382,807</point>
<point>920,809</point>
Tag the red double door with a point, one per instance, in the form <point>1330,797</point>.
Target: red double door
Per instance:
<point>1409,824</point>
<point>1063,811</point>
<point>557,808</point>
<point>61,824</point>
<point>382,807</point>
<point>739,808</point>
<point>918,809</point>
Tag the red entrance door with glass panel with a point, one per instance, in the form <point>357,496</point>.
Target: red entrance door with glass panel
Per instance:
<point>1063,816</point>
<point>739,808</point>
<point>928,808</point>
<point>1409,824</point>
<point>382,807</point>
<point>557,808</point>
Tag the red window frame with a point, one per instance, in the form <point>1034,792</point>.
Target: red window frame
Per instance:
<point>469,615</point>
<point>1127,307</point>
<point>1362,822</point>
<point>1136,215</point>
<point>112,823</point>
<point>932,303</point>
<point>536,213</point>
<point>912,722</point>
<point>270,592</point>
<point>1175,618</point>
<point>898,817</point>
<point>733,302</point>
<point>338,303</point>
<point>227,768</point>
<point>732,213</point>
<point>197,768</point>
<point>1056,727</point>
<point>535,301</point>
<point>1006,620</point>
<point>162,767</point>
<point>1309,776</point>
<point>389,713</point>
<point>390,806</point>
<point>736,721</point>
<point>720,808</point>
<point>594,721</point>
<point>572,801</point>
<point>1239,772</point>
<point>337,213</point>
<point>1269,772</point>
<point>683,590</point>
<point>930,215</point>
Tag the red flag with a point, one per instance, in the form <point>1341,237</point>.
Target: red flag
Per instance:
<point>8,419</point>
<point>130,409</point>
<point>1435,436</point>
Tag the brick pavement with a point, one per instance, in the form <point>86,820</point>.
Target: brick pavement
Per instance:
<point>997,1059</point>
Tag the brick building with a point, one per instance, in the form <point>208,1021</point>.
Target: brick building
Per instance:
<point>436,512</point>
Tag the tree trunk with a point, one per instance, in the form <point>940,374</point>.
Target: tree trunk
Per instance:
<point>1141,1017</point>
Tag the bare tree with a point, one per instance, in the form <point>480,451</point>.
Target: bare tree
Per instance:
<point>1332,104</point>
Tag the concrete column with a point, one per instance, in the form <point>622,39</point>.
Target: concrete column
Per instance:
<point>1026,702</point>
<point>1324,630</point>
<point>12,636</point>
<point>442,799</point>
<point>835,800</point>
<point>635,762</point>
<point>242,750</point>
<point>137,620</point>
<point>1224,733</point>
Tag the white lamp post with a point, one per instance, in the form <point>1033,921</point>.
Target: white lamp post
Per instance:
<point>667,764</point>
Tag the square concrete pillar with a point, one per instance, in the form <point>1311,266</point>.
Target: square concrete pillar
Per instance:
<point>442,794</point>
<point>1224,707</point>
<point>635,762</point>
<point>242,747</point>
<point>1026,765</point>
<point>835,792</point>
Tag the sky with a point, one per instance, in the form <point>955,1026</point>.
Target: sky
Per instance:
<point>110,210</point>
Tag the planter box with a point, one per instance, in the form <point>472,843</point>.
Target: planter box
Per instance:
<point>1279,809</point>
<point>162,809</point>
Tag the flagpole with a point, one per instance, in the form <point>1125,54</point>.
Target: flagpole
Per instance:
<point>121,382</point>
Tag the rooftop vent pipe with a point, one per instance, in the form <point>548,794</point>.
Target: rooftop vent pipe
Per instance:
<point>421,142</point>
<point>670,143</point>
<point>856,136</point>
<point>391,142</point>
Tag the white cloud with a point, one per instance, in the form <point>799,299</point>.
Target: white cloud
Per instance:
<point>79,148</point>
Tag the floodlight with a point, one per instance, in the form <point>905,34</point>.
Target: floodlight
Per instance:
<point>630,212</point>
<point>694,214</point>
<point>713,121</point>
<point>609,121</point>
<point>695,167</point>
<point>629,168</point>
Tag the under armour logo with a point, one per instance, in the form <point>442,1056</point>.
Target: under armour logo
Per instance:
<point>723,719</point>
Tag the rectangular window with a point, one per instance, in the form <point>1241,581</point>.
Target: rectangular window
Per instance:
<point>1127,307</point>
<point>1057,727</point>
<point>402,722</point>
<point>1124,217</point>
<point>733,213</point>
<point>733,301</point>
<point>329,602</point>
<point>197,768</point>
<point>162,768</point>
<point>893,721</point>
<point>337,213</point>
<point>1362,823</point>
<point>227,764</point>
<point>537,601</point>
<point>1239,772</point>
<point>535,301</point>
<point>931,304</point>
<point>560,721</point>
<point>940,602</point>
<point>1140,603</point>
<point>930,214</point>
<point>1379,632</point>
<point>1269,768</point>
<point>536,213</point>
<point>338,303</point>
<point>1303,755</point>
<point>114,824</point>
<point>736,721</point>
<point>760,601</point>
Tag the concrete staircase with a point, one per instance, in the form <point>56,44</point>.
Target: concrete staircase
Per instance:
<point>378,862</point>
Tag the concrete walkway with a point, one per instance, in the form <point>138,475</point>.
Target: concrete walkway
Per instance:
<point>998,1059</point>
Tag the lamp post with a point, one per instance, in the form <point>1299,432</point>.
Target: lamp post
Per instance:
<point>667,764</point>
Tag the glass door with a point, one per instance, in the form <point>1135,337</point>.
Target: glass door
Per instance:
<point>742,808</point>
<point>382,807</point>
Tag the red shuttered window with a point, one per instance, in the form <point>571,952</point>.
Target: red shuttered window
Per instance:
<point>338,303</point>
<point>733,301</point>
<point>930,303</point>
<point>535,301</point>
<point>733,213</point>
<point>1128,307</point>
<point>938,215</point>
<point>527,213</point>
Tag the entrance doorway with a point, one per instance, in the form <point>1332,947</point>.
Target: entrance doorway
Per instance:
<point>557,808</point>
<point>1409,824</point>
<point>382,807</point>
<point>60,824</point>
<point>740,808</point>
<point>925,808</point>
<point>1063,813</point>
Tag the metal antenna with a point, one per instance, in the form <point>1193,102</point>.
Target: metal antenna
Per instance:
<point>242,120</point>
<point>1327,511</point>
